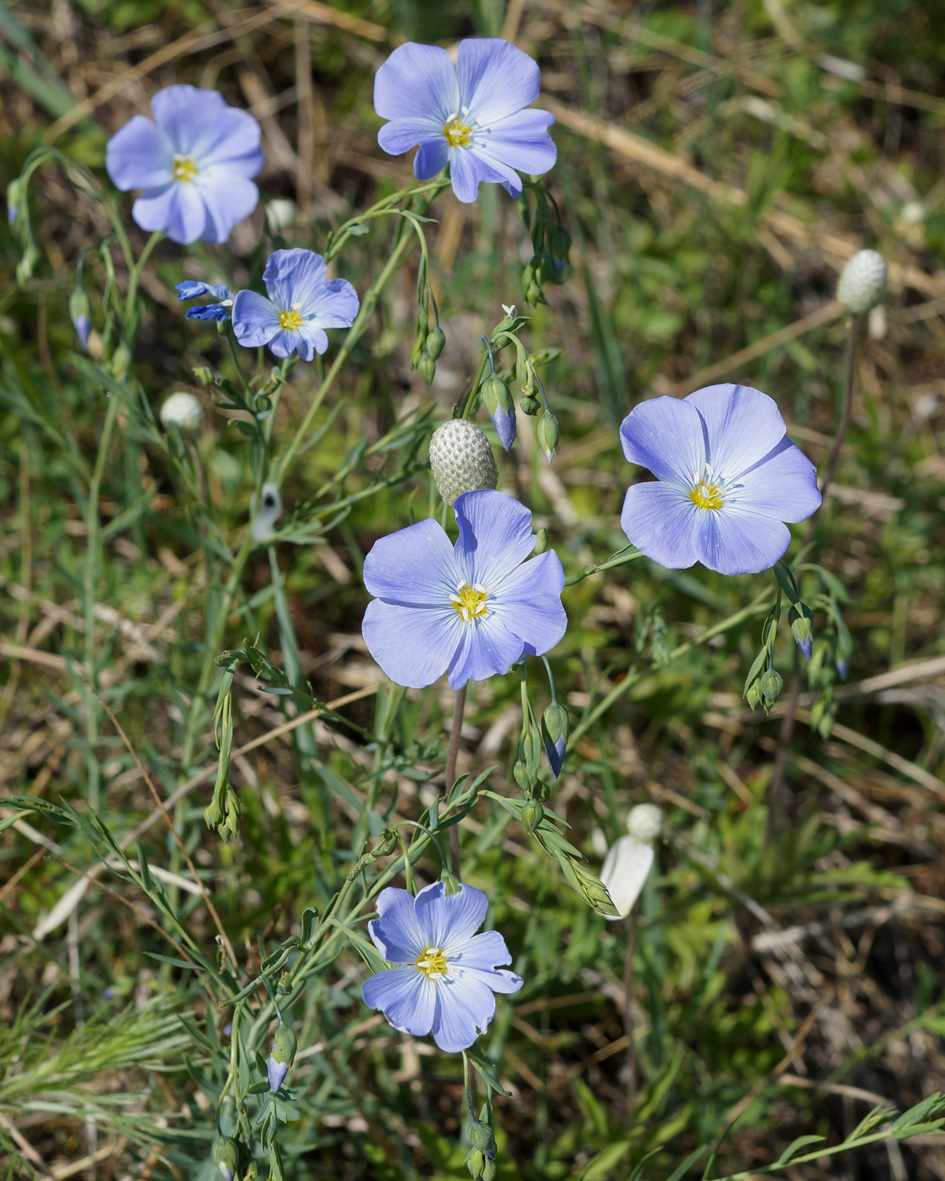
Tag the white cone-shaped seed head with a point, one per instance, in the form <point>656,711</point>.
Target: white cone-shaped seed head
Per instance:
<point>461,459</point>
<point>863,281</point>
<point>645,822</point>
<point>183,412</point>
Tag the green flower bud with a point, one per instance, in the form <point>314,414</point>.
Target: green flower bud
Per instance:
<point>226,1156</point>
<point>281,1056</point>
<point>435,342</point>
<point>753,694</point>
<point>481,1137</point>
<point>14,199</point>
<point>496,395</point>
<point>426,367</point>
<point>121,360</point>
<point>548,434</point>
<point>531,405</point>
<point>80,313</point>
<point>416,352</point>
<point>523,778</point>
<point>771,685</point>
<point>543,543</point>
<point>532,815</point>
<point>475,1162</point>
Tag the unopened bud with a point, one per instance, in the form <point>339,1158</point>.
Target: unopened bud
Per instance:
<point>27,264</point>
<point>548,434</point>
<point>530,405</point>
<point>862,282</point>
<point>771,685</point>
<point>435,342</point>
<point>13,199</point>
<point>426,367</point>
<point>461,459</point>
<point>121,360</point>
<point>481,1137</point>
<point>753,693</point>
<point>557,729</point>
<point>542,542</point>
<point>498,401</point>
<point>281,1056</point>
<point>226,1156</point>
<point>80,313</point>
<point>532,815</point>
<point>182,412</point>
<point>801,630</point>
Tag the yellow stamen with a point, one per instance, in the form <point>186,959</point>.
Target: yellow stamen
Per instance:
<point>432,963</point>
<point>291,320</point>
<point>706,495</point>
<point>458,134</point>
<point>469,601</point>
<point>185,169</point>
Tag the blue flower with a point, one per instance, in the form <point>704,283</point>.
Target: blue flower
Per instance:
<point>727,479</point>
<point>191,289</point>
<point>472,608</point>
<point>447,973</point>
<point>302,303</point>
<point>470,116</point>
<point>194,162</point>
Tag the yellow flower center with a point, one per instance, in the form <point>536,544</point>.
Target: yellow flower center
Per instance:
<point>706,495</point>
<point>458,134</point>
<point>291,320</point>
<point>185,169</point>
<point>432,963</point>
<point>469,601</point>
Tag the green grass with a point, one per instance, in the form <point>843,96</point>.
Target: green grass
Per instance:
<point>760,155</point>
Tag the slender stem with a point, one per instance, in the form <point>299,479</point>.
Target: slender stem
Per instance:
<point>452,751</point>
<point>629,554</point>
<point>628,1015</point>
<point>135,272</point>
<point>776,792</point>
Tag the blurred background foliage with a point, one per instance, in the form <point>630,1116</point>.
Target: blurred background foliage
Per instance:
<point>717,165</point>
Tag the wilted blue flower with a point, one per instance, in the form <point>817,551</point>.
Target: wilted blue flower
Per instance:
<point>302,303</point>
<point>473,607</point>
<point>191,289</point>
<point>446,976</point>
<point>194,162</point>
<point>469,116</point>
<point>727,479</point>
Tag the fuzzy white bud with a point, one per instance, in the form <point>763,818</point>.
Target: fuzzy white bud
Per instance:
<point>645,822</point>
<point>863,281</point>
<point>461,459</point>
<point>266,513</point>
<point>183,412</point>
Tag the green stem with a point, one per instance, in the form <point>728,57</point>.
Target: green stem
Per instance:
<point>629,554</point>
<point>134,274</point>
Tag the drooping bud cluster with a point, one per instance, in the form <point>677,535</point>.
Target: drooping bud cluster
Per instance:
<point>862,282</point>
<point>461,459</point>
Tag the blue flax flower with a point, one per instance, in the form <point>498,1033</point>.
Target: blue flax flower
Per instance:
<point>474,607</point>
<point>470,116</point>
<point>191,289</point>
<point>727,479</point>
<point>302,303</point>
<point>446,976</point>
<point>194,163</point>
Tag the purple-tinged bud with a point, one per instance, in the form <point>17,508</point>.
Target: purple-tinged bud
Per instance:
<point>281,1056</point>
<point>80,312</point>
<point>801,630</point>
<point>226,1156</point>
<point>556,730</point>
<point>498,400</point>
<point>843,668</point>
<point>13,199</point>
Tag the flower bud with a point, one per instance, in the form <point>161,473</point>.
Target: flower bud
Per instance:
<point>281,1056</point>
<point>426,367</point>
<point>182,412</point>
<point>498,401</point>
<point>801,630</point>
<point>542,542</point>
<point>13,199</point>
<point>481,1137</point>
<point>532,815</point>
<point>80,313</point>
<point>435,342</point>
<point>27,264</point>
<point>753,694</point>
<point>862,282</point>
<point>548,434</point>
<point>226,1156</point>
<point>530,405</point>
<point>771,685</point>
<point>557,728</point>
<point>461,459</point>
<point>121,360</point>
<point>523,777</point>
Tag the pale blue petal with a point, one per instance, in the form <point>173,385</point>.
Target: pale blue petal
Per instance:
<point>483,951</point>
<point>413,645</point>
<point>227,198</point>
<point>139,156</point>
<point>310,339</point>
<point>176,209</point>
<point>554,752</point>
<point>733,540</point>
<point>432,158</point>
<point>191,289</point>
<point>396,931</point>
<point>255,319</point>
<point>293,276</point>
<point>450,919</point>
<point>528,601</point>
<point>406,998</point>
<point>488,648</point>
<point>208,311</point>
<point>663,523</point>
<point>187,116</point>
<point>275,1073</point>
<point>742,425</point>
<point>413,566</point>
<point>783,485</point>
<point>666,435</point>
<point>502,981</point>
<point>495,78</point>
<point>417,81</point>
<point>468,168</point>
<point>522,142</point>
<point>464,1007</point>
<point>400,135</point>
<point>334,304</point>
<point>495,535</point>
